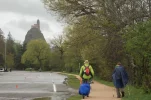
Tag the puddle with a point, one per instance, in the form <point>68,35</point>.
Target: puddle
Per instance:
<point>33,86</point>
<point>59,95</point>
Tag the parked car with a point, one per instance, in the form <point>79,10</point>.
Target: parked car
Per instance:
<point>1,69</point>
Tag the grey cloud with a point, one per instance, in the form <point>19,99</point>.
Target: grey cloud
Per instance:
<point>27,10</point>
<point>28,7</point>
<point>26,25</point>
<point>44,26</point>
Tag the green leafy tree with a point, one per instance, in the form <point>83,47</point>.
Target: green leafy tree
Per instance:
<point>57,57</point>
<point>10,52</point>
<point>1,42</point>
<point>10,44</point>
<point>1,60</point>
<point>81,43</point>
<point>107,20</point>
<point>2,48</point>
<point>56,63</point>
<point>138,46</point>
<point>38,51</point>
<point>10,60</point>
<point>17,56</point>
<point>57,43</point>
<point>107,16</point>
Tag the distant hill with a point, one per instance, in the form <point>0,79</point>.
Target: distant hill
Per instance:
<point>34,33</point>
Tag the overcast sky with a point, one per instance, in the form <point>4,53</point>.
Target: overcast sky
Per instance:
<point>17,16</point>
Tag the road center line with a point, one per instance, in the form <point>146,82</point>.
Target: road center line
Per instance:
<point>54,86</point>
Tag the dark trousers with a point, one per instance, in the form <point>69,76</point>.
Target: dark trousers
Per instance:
<point>86,80</point>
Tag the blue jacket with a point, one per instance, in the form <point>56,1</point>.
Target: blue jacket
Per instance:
<point>120,77</point>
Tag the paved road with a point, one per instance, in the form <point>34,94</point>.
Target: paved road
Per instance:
<point>20,85</point>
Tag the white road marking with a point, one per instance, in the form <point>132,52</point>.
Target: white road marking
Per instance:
<point>54,88</point>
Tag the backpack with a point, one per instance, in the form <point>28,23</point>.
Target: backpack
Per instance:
<point>84,89</point>
<point>87,71</point>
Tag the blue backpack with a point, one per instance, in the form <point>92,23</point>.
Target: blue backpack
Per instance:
<point>84,89</point>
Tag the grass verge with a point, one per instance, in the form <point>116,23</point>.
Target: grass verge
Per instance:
<point>103,82</point>
<point>133,93</point>
<point>76,97</point>
<point>73,83</point>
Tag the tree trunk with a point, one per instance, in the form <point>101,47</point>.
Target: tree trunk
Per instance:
<point>149,7</point>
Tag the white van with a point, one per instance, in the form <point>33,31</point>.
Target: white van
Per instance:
<point>1,69</point>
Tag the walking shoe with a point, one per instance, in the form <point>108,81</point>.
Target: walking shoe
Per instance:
<point>118,97</point>
<point>123,94</point>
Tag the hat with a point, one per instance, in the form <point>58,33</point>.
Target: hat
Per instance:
<point>86,61</point>
<point>119,63</point>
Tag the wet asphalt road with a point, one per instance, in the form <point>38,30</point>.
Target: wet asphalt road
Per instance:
<point>20,85</point>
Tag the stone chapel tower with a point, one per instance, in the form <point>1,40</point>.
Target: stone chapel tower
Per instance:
<point>38,23</point>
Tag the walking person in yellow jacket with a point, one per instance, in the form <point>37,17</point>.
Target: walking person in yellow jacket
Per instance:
<point>86,72</point>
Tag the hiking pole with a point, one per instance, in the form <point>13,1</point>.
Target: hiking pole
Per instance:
<point>113,91</point>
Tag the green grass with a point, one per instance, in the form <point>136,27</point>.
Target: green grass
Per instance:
<point>29,69</point>
<point>133,93</point>
<point>76,97</point>
<point>73,83</point>
<point>103,82</point>
<point>46,98</point>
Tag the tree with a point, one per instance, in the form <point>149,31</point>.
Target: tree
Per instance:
<point>57,42</point>
<point>10,44</point>
<point>81,43</point>
<point>56,63</point>
<point>18,48</point>
<point>57,57</point>
<point>38,51</point>
<point>1,60</point>
<point>107,19</point>
<point>2,48</point>
<point>10,60</point>
<point>1,42</point>
<point>138,46</point>
<point>10,51</point>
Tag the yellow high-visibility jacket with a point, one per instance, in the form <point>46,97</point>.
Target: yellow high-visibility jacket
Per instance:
<point>82,74</point>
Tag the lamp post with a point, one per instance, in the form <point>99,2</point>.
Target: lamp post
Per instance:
<point>5,55</point>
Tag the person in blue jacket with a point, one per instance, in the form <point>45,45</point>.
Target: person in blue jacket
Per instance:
<point>120,79</point>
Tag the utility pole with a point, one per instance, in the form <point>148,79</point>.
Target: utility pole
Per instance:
<point>5,55</point>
